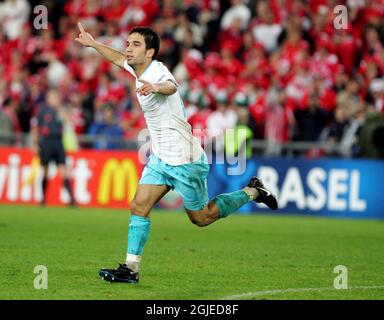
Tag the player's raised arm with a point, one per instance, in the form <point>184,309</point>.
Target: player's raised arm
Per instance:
<point>114,56</point>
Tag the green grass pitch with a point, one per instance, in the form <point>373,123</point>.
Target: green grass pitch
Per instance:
<point>266,256</point>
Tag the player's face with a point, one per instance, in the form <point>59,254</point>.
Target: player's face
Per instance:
<point>136,52</point>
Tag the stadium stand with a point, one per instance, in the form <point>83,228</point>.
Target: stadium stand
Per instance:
<point>283,61</point>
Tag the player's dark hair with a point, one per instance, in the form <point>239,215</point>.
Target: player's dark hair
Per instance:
<point>151,38</point>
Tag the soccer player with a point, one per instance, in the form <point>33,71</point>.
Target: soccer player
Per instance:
<point>177,160</point>
<point>47,132</point>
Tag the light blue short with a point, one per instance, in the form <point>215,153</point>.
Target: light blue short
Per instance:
<point>188,180</point>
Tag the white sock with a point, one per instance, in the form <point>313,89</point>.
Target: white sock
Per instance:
<point>251,192</point>
<point>133,262</point>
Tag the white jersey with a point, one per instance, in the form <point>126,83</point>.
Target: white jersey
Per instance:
<point>171,134</point>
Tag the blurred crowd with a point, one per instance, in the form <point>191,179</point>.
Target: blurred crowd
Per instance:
<point>280,68</point>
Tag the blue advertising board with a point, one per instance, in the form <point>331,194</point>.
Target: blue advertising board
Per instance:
<point>323,187</point>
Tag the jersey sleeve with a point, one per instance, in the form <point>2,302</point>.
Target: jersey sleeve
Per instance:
<point>165,75</point>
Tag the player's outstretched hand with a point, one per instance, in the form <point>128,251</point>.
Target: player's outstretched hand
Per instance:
<point>147,88</point>
<point>84,37</point>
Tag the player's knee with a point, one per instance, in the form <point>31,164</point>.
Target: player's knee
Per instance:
<point>199,223</point>
<point>200,220</point>
<point>139,208</point>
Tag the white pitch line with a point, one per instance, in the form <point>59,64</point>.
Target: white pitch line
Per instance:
<point>269,292</point>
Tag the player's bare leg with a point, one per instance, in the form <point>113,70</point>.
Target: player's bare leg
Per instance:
<point>210,213</point>
<point>146,196</point>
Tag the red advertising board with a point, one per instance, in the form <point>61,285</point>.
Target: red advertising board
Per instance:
<point>98,178</point>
